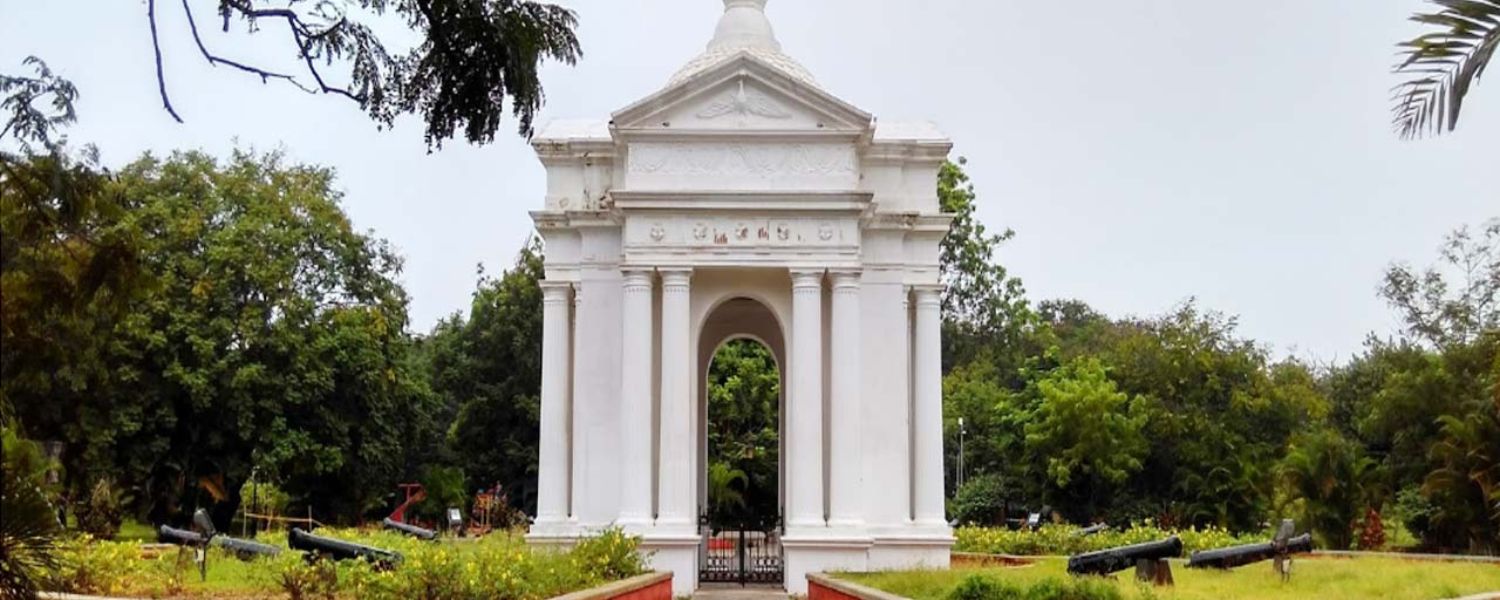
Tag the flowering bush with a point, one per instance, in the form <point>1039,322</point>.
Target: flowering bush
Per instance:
<point>1065,539</point>
<point>499,566</point>
<point>90,566</point>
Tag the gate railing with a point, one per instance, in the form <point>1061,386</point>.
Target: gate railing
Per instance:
<point>740,554</point>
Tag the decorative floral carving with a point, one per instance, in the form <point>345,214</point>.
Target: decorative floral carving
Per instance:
<point>825,231</point>
<point>700,232</point>
<point>657,233</point>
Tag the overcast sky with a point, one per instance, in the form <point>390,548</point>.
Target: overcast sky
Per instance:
<point>1145,151</point>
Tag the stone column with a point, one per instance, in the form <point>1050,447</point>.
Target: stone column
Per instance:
<point>805,403</point>
<point>844,494</point>
<point>927,413</point>
<point>676,496</point>
<point>553,469</point>
<point>635,400</point>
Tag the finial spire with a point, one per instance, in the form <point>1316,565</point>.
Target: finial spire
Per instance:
<point>744,25</point>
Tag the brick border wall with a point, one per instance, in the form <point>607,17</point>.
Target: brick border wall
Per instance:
<point>651,586</point>
<point>820,586</point>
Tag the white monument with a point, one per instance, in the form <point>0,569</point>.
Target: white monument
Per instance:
<point>744,201</point>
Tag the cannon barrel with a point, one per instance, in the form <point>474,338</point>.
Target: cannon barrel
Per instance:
<point>245,548</point>
<point>180,537</point>
<point>338,549</point>
<point>1104,562</point>
<point>411,530</point>
<point>1234,556</point>
<point>1091,530</point>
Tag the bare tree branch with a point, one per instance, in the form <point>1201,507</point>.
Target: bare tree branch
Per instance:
<point>215,60</point>
<point>161,80</point>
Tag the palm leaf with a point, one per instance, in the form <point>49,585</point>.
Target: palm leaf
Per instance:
<point>1444,65</point>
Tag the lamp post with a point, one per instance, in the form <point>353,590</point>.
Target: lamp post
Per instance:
<point>960,454</point>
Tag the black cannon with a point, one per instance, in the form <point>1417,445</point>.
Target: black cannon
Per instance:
<point>1149,559</point>
<point>1235,556</point>
<point>1091,530</point>
<point>411,530</point>
<point>245,549</point>
<point>316,545</point>
<point>179,537</point>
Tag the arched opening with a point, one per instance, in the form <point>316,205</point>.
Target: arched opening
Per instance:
<point>742,354</point>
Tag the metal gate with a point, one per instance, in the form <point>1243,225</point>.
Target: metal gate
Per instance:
<point>741,554</point>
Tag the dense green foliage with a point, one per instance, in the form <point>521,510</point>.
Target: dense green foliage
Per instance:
<point>1179,419</point>
<point>272,336</point>
<point>487,370</point>
<point>744,396</point>
<point>497,566</point>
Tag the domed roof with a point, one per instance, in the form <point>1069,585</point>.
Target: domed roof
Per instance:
<point>744,29</point>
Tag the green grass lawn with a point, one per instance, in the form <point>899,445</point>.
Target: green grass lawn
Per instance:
<point>1323,578</point>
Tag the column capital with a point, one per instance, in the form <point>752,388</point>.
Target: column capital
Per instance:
<point>807,278</point>
<point>928,293</point>
<point>637,276</point>
<point>676,277</point>
<point>555,291</point>
<point>845,279</point>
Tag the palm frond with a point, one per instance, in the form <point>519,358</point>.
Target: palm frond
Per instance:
<point>1444,65</point>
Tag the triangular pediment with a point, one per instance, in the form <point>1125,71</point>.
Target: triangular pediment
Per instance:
<point>742,94</point>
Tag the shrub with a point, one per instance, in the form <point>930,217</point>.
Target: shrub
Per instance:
<point>90,566</point>
<point>979,587</point>
<point>1086,588</point>
<point>611,555</point>
<point>308,580</point>
<point>980,501</point>
<point>28,536</point>
<point>1055,539</point>
<point>101,513</point>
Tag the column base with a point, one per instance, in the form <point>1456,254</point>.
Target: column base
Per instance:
<point>675,552</point>
<point>560,533</point>
<point>811,552</point>
<point>915,548</point>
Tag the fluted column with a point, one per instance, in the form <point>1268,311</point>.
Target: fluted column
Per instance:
<point>635,400</point>
<point>845,420</point>
<point>676,497</point>
<point>553,469</point>
<point>927,413</point>
<point>805,403</point>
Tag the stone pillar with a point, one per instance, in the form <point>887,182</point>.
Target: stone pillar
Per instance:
<point>635,400</point>
<point>844,494</point>
<point>676,495</point>
<point>553,470</point>
<point>805,403</point>
<point>927,413</point>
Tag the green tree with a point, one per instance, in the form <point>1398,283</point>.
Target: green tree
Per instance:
<point>1444,64</point>
<point>472,56</point>
<point>1457,300</point>
<point>487,370</point>
<point>273,337</point>
<point>1329,474</point>
<point>744,398</point>
<point>1085,434</point>
<point>984,309</point>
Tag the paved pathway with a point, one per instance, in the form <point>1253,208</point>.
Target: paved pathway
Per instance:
<point>735,592</point>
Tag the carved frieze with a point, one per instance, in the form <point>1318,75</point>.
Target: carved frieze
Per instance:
<point>742,165</point>
<point>739,232</point>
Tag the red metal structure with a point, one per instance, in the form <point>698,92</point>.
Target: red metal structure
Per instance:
<point>414,493</point>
